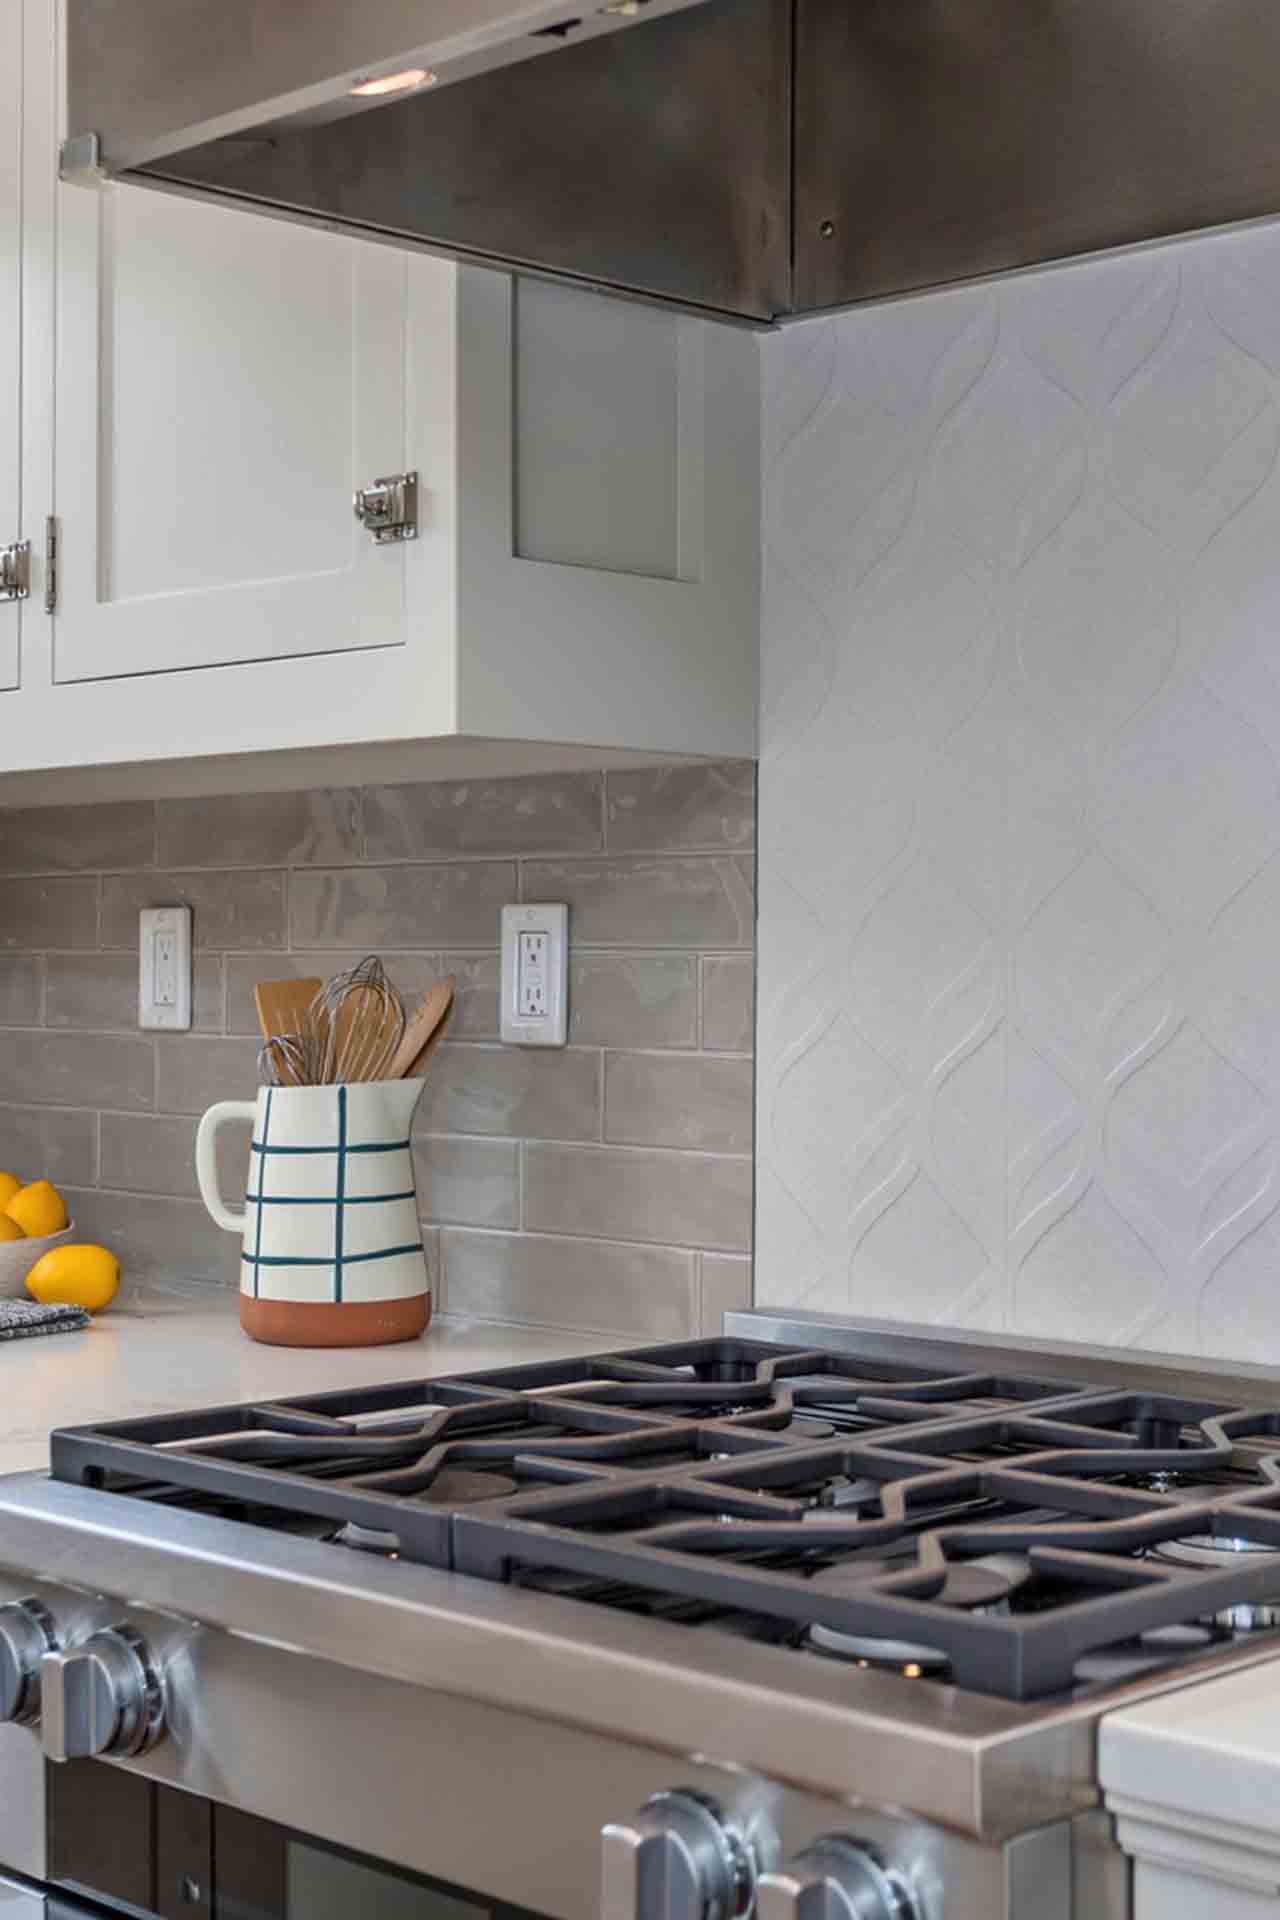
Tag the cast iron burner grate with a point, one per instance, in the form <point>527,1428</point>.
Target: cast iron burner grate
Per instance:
<point>1014,1535</point>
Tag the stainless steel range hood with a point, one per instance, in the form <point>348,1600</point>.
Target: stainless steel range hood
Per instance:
<point>751,158</point>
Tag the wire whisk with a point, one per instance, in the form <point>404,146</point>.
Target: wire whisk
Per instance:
<point>359,1019</point>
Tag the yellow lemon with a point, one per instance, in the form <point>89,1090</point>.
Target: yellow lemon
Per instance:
<point>38,1209</point>
<point>9,1185</point>
<point>79,1276</point>
<point>9,1229</point>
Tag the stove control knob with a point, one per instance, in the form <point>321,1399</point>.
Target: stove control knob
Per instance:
<point>681,1858</point>
<point>835,1879</point>
<point>27,1632</point>
<point>104,1696</point>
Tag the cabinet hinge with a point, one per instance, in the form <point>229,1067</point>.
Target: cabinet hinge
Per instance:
<point>15,571</point>
<point>80,161</point>
<point>51,565</point>
<point>389,508</point>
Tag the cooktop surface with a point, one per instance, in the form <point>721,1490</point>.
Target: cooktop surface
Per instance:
<point>1012,1534</point>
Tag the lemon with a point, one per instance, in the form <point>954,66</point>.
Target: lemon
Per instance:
<point>79,1276</point>
<point>9,1229</point>
<point>9,1185</point>
<point>38,1209</point>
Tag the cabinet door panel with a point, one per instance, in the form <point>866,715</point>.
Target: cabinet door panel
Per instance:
<point>10,318</point>
<point>224,383</point>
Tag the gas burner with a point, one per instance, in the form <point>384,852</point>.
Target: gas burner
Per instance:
<point>803,1427</point>
<point>973,1586</point>
<point>1127,1659</point>
<point>463,1486</point>
<point>881,1656</point>
<point>841,1491</point>
<point>1203,1552</point>
<point>978,1586</point>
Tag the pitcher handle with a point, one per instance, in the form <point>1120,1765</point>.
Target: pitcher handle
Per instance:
<point>207,1160</point>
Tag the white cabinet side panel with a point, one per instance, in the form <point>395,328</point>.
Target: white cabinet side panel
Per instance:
<point>594,652</point>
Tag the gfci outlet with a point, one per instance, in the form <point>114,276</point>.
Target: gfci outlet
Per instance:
<point>535,975</point>
<point>164,968</point>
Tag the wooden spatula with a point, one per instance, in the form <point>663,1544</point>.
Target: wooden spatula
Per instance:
<point>284,1006</point>
<point>425,1029</point>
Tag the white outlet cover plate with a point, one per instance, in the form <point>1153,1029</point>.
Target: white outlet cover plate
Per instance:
<point>164,969</point>
<point>551,1029</point>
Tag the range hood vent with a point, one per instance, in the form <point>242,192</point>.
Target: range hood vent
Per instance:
<point>747,158</point>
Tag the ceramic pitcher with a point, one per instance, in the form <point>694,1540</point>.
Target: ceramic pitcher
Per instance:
<point>332,1251</point>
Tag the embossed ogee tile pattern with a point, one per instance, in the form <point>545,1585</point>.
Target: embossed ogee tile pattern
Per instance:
<point>581,1187</point>
<point>1019,1027</point>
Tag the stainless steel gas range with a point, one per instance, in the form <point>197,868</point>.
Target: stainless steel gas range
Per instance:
<point>818,1619</point>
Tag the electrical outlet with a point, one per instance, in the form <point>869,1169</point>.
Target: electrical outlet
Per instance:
<point>164,968</point>
<point>535,975</point>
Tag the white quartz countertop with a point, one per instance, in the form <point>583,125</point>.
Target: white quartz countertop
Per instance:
<point>180,1345</point>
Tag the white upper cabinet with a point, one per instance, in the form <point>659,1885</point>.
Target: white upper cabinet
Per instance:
<point>224,382</point>
<point>11,93</point>
<point>206,388</point>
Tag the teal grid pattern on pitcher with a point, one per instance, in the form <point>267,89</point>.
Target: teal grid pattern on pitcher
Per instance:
<point>330,1220</point>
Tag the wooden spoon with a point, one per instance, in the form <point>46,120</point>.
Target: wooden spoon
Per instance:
<point>425,1029</point>
<point>285,1006</point>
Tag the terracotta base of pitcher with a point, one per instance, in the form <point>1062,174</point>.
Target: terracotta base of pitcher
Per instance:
<point>324,1323</point>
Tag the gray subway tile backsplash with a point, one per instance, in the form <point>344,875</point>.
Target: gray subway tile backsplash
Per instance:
<point>604,1186</point>
<point>728,1002</point>
<point>545,813</point>
<point>678,1100</point>
<point>120,833</point>
<point>54,1143</point>
<point>79,1069</point>
<point>316,828</point>
<point>229,911</point>
<point>99,992</point>
<point>698,806</point>
<point>649,900</point>
<point>42,913</point>
<point>627,1193</point>
<point>641,1293</point>
<point>21,978</point>
<point>194,1070</point>
<point>552,1093</point>
<point>470,1183</point>
<point>633,999</point>
<point>410,906</point>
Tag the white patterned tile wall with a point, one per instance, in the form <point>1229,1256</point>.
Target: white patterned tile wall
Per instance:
<point>1019,945</point>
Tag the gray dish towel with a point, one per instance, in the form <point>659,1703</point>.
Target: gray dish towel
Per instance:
<point>19,1319</point>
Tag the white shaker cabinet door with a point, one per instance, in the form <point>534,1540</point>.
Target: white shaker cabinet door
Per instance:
<point>224,382</point>
<point>10,320</point>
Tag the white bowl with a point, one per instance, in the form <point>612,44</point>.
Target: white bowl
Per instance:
<point>17,1257</point>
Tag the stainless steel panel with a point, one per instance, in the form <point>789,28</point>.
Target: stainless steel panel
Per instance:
<point>938,140</point>
<point>20,1903</point>
<point>1237,1383</point>
<point>983,1767</point>
<point>22,1808</point>
<point>654,162</point>
<point>150,77</point>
